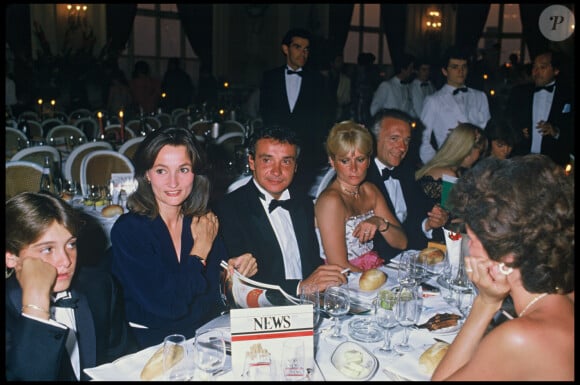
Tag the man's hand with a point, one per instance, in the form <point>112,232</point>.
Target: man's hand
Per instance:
<point>436,218</point>
<point>245,264</point>
<point>325,275</point>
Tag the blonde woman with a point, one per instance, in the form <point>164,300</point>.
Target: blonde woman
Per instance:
<point>462,148</point>
<point>351,212</point>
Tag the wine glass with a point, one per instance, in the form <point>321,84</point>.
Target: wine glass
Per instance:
<point>337,304</point>
<point>407,312</point>
<point>309,294</point>
<point>384,314</point>
<point>405,272</point>
<point>210,352</point>
<point>465,299</point>
<point>176,359</point>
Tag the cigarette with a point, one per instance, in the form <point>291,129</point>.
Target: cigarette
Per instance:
<point>345,270</point>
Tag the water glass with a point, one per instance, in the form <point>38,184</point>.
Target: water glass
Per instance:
<point>336,304</point>
<point>309,294</point>
<point>385,317</point>
<point>210,352</point>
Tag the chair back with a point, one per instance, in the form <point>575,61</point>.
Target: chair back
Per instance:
<point>238,183</point>
<point>79,113</point>
<point>36,155</point>
<point>324,182</point>
<point>228,126</point>
<point>72,166</point>
<point>182,119</point>
<point>21,176</point>
<point>29,115</point>
<point>200,127</point>
<point>97,167</point>
<point>130,146</point>
<point>165,119</point>
<point>34,128</point>
<point>113,133</point>
<point>15,141</point>
<point>49,123</point>
<point>228,142</point>
<point>62,133</point>
<point>153,123</point>
<point>89,126</point>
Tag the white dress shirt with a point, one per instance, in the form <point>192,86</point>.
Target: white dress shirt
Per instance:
<point>293,83</point>
<point>443,111</point>
<point>541,111</point>
<point>282,224</point>
<point>395,191</point>
<point>392,94</point>
<point>419,93</point>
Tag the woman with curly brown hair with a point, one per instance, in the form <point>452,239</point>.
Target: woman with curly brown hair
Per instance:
<point>519,215</point>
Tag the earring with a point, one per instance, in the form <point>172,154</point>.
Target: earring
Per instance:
<point>504,270</point>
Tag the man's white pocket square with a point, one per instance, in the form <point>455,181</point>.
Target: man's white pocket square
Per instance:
<point>566,108</point>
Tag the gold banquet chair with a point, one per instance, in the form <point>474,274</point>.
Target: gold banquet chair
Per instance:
<point>130,146</point>
<point>60,134</point>
<point>15,140</point>
<point>36,155</point>
<point>72,165</point>
<point>21,176</point>
<point>97,167</point>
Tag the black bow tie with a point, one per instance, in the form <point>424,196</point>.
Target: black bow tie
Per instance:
<point>386,173</point>
<point>66,302</point>
<point>547,88</point>
<point>290,72</point>
<point>458,90</point>
<point>285,204</point>
<point>424,84</point>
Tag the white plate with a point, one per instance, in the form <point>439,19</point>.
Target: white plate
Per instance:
<point>367,361</point>
<point>446,331</point>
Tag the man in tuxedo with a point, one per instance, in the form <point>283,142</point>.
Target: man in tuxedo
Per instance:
<point>395,177</point>
<point>269,219</point>
<point>60,319</point>
<point>543,112</point>
<point>295,96</point>
<point>452,104</point>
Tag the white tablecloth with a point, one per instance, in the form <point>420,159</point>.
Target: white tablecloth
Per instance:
<point>405,366</point>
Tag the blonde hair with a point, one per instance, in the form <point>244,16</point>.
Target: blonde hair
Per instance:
<point>348,136</point>
<point>456,147</point>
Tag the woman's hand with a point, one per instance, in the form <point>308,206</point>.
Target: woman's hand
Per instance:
<point>245,264</point>
<point>365,230</point>
<point>203,230</point>
<point>37,279</point>
<point>492,285</point>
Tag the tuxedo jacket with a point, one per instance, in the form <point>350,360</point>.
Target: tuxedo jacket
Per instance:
<point>311,117</point>
<point>520,109</point>
<point>417,207</point>
<point>246,229</point>
<point>36,351</point>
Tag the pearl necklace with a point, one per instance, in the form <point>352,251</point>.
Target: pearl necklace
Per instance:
<point>533,301</point>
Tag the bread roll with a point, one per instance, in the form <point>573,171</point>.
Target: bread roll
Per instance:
<point>154,367</point>
<point>431,357</point>
<point>111,211</point>
<point>431,255</point>
<point>372,279</point>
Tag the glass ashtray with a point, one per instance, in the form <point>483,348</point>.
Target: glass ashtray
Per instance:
<point>364,329</point>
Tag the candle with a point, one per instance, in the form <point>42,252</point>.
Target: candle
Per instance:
<point>122,126</point>
<point>101,132</point>
<point>40,107</point>
<point>53,104</point>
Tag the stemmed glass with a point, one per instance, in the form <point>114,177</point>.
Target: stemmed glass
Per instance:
<point>384,306</point>
<point>210,352</point>
<point>310,295</point>
<point>337,304</point>
<point>95,194</point>
<point>176,366</point>
<point>407,312</point>
<point>465,299</point>
<point>405,272</point>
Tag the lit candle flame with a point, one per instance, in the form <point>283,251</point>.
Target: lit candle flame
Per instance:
<point>568,169</point>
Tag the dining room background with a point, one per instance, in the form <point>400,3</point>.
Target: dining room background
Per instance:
<point>235,43</point>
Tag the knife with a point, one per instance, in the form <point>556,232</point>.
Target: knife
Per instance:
<point>440,340</point>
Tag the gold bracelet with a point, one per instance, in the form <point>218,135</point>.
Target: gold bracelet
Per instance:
<point>35,307</point>
<point>386,228</point>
